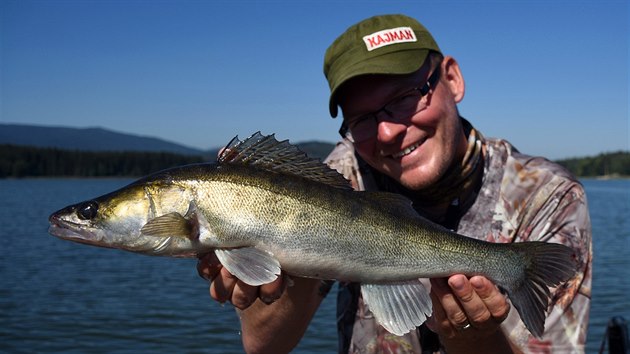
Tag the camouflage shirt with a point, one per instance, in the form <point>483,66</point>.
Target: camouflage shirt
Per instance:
<point>521,198</point>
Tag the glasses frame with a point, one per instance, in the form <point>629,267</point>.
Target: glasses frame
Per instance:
<point>428,86</point>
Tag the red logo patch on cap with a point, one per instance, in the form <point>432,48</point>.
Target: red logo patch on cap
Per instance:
<point>389,36</point>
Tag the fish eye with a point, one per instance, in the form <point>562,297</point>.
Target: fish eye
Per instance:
<point>87,210</point>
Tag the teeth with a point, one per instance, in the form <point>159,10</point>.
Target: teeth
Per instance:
<point>407,151</point>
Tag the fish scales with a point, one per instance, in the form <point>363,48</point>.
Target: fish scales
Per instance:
<point>302,222</point>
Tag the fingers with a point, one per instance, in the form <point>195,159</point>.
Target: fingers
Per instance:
<point>208,266</point>
<point>269,293</point>
<point>222,286</point>
<point>243,295</point>
<point>469,308</point>
<point>448,318</point>
<point>461,304</point>
<point>495,301</point>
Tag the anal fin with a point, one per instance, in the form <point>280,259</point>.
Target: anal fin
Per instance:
<point>398,307</point>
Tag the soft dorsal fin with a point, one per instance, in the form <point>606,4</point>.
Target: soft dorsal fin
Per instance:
<point>396,203</point>
<point>264,151</point>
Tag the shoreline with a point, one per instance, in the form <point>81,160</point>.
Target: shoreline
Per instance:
<point>606,177</point>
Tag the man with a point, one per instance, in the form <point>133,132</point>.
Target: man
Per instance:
<point>403,133</point>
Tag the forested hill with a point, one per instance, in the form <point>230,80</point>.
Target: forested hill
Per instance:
<point>23,161</point>
<point>87,139</point>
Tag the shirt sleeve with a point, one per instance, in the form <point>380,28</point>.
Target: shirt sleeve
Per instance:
<point>343,160</point>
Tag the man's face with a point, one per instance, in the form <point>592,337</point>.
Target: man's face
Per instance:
<point>417,150</point>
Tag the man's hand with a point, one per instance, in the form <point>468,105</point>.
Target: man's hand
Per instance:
<point>226,287</point>
<point>464,309</point>
<point>265,327</point>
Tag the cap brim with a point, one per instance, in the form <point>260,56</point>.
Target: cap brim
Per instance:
<point>407,62</point>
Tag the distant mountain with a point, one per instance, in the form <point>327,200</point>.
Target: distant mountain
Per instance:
<point>87,139</point>
<point>316,149</point>
<point>99,139</point>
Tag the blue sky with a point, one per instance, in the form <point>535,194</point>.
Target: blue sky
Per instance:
<point>550,76</point>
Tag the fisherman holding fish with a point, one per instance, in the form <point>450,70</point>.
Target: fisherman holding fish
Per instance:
<point>412,198</point>
<point>402,133</point>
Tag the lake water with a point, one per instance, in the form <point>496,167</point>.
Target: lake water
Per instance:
<point>61,297</point>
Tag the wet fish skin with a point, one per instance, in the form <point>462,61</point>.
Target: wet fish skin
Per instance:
<point>266,207</point>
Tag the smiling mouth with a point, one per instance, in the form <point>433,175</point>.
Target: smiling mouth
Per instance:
<point>407,150</point>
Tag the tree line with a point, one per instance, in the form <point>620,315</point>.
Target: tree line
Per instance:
<point>607,164</point>
<point>25,161</point>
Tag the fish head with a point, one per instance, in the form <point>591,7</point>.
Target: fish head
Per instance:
<point>115,220</point>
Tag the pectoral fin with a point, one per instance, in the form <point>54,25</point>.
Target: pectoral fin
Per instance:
<point>174,224</point>
<point>171,224</point>
<point>399,307</point>
<point>251,265</point>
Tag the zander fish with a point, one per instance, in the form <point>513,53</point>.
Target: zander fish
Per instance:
<point>265,206</point>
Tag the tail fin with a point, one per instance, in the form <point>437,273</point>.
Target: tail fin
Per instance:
<point>546,265</point>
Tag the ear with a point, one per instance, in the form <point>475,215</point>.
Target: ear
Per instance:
<point>452,77</point>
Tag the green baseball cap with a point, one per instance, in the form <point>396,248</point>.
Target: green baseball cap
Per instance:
<point>387,44</point>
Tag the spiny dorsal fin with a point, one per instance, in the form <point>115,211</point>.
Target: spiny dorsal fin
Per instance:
<point>264,151</point>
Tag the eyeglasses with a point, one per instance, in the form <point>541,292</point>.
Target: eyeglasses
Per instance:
<point>401,107</point>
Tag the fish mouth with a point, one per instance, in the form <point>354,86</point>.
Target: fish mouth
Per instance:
<point>68,230</point>
<point>408,150</point>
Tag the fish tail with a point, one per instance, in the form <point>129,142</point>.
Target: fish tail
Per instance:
<point>545,265</point>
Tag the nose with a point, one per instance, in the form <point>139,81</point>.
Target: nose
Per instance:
<point>388,131</point>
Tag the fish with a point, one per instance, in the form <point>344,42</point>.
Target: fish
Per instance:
<point>266,207</point>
